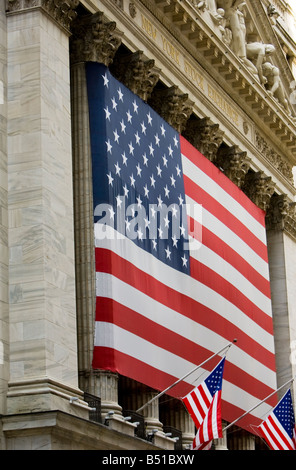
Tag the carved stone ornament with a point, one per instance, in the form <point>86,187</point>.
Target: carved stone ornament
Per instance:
<point>94,40</point>
<point>234,163</point>
<point>259,188</point>
<point>137,73</point>
<point>132,9</point>
<point>278,162</point>
<point>205,136</point>
<point>173,106</point>
<point>281,215</point>
<point>62,11</point>
<point>277,212</point>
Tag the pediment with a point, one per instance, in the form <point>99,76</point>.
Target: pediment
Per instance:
<point>247,28</point>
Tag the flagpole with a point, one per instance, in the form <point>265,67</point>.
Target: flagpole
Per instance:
<point>262,401</point>
<point>184,377</point>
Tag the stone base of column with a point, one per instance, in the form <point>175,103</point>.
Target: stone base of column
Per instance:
<point>105,386</point>
<point>118,423</point>
<point>163,441</point>
<point>33,396</point>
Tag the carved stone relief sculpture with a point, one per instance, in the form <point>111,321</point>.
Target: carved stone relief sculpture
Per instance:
<point>259,53</point>
<point>239,33</point>
<point>274,84</point>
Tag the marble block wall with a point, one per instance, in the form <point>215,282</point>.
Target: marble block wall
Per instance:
<point>43,342</point>
<point>4,338</point>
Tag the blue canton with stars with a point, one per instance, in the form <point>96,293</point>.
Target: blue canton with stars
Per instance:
<point>214,380</point>
<point>137,172</point>
<point>285,414</point>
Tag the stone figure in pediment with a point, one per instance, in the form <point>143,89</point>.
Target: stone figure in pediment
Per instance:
<point>224,27</point>
<point>234,15</point>
<point>211,6</point>
<point>274,84</point>
<point>259,53</point>
<point>236,23</point>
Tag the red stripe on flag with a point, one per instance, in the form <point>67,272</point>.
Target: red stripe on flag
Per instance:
<point>116,361</point>
<point>265,433</point>
<point>196,400</point>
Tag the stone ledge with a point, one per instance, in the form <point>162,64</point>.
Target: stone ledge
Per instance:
<point>55,430</point>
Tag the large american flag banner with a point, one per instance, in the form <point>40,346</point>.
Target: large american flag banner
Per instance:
<point>278,429</point>
<point>204,406</point>
<point>181,257</point>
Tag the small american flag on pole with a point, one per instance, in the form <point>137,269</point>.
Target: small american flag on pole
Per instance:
<point>278,429</point>
<point>204,406</point>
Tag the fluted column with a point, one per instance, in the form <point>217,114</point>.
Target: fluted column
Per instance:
<point>83,222</point>
<point>241,440</point>
<point>281,243</point>
<point>134,396</point>
<point>175,415</point>
<point>4,318</point>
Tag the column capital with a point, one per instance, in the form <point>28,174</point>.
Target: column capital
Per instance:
<point>137,72</point>
<point>175,107</point>
<point>94,39</point>
<point>205,136</point>
<point>259,188</point>
<point>234,163</point>
<point>281,215</point>
<point>62,11</point>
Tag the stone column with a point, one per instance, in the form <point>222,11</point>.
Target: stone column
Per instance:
<point>174,414</point>
<point>92,40</point>
<point>281,242</point>
<point>221,444</point>
<point>43,334</point>
<point>241,440</point>
<point>4,320</point>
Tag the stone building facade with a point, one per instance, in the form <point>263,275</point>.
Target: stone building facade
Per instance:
<point>225,70</point>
